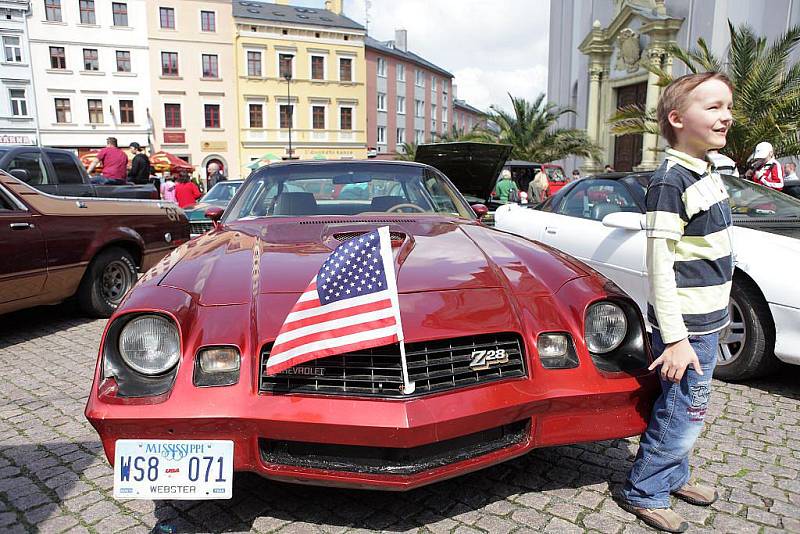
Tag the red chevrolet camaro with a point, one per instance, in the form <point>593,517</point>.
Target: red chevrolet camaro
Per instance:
<point>511,345</point>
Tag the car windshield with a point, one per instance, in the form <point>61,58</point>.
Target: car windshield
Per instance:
<point>336,188</point>
<point>753,200</point>
<point>222,192</point>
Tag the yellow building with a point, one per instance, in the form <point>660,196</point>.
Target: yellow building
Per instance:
<point>193,82</point>
<point>301,76</point>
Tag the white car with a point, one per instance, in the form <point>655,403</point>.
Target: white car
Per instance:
<point>600,221</point>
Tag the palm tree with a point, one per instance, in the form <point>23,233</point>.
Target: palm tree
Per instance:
<point>475,133</point>
<point>766,92</point>
<point>408,153</point>
<point>532,132</point>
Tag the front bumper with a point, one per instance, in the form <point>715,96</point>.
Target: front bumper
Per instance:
<point>271,433</point>
<point>787,333</point>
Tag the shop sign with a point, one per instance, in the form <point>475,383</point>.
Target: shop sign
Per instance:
<point>175,137</point>
<point>214,146</point>
<point>17,139</point>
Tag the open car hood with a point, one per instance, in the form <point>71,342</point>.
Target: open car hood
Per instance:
<point>472,167</point>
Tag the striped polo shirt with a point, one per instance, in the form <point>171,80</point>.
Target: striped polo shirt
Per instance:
<point>689,253</point>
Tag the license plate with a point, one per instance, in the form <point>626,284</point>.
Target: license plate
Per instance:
<point>173,469</point>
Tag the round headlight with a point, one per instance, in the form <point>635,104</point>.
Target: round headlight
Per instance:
<point>150,344</point>
<point>606,326</point>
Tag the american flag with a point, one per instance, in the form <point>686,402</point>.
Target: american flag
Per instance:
<point>351,304</point>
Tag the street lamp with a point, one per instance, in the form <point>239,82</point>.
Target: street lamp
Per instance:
<point>288,76</point>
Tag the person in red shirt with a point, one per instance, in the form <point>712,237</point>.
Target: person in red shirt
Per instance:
<point>766,169</point>
<point>186,191</point>
<point>114,160</point>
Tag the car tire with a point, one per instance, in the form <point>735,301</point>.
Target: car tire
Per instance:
<point>111,274</point>
<point>750,337</point>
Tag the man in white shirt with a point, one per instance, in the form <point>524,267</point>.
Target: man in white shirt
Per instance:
<point>791,183</point>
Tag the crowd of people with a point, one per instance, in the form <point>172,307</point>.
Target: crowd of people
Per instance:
<point>179,187</point>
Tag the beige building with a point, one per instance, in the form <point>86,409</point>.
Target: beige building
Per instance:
<point>194,110</point>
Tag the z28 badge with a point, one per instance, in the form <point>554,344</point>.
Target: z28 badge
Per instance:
<point>483,359</point>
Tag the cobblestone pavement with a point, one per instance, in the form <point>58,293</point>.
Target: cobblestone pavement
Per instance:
<point>54,476</point>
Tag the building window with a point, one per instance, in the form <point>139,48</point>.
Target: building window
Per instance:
<point>401,105</point>
<point>401,72</point>
<point>58,59</point>
<point>90,61</point>
<point>172,115</point>
<point>318,117</point>
<point>401,136</point>
<point>126,111</point>
<point>12,49</point>
<point>346,119</point>
<point>87,11</point>
<point>381,101</point>
<point>445,86</point>
<point>52,10</point>
<point>120,11</point>
<point>285,65</point>
<point>382,135</point>
<point>123,61</point>
<point>420,78</point>
<point>212,116</point>
<point>208,21</point>
<point>19,104</point>
<point>381,64</point>
<point>167,17</point>
<point>419,108</point>
<point>286,111</point>
<point>317,67</point>
<point>210,66</point>
<point>256,116</point>
<point>418,137</point>
<point>63,113</point>
<point>254,63</point>
<point>444,114</point>
<point>345,69</point>
<point>169,63</point>
<point>95,111</point>
<point>433,84</point>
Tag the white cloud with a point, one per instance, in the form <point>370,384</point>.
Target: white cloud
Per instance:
<point>492,47</point>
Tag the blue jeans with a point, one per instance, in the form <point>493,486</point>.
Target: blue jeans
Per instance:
<point>662,463</point>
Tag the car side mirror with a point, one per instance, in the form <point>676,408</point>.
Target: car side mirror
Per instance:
<point>480,210</point>
<point>20,174</point>
<point>624,219</point>
<point>215,214</point>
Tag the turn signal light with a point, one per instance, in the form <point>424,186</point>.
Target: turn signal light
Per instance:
<point>556,351</point>
<point>219,360</point>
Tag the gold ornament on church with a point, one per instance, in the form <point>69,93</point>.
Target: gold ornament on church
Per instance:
<point>629,51</point>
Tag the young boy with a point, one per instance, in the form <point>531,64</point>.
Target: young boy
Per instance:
<point>690,267</point>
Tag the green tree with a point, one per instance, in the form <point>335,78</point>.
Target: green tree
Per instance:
<point>531,129</point>
<point>476,133</point>
<point>766,92</point>
<point>409,151</point>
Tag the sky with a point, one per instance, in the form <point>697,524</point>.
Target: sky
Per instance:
<point>491,47</point>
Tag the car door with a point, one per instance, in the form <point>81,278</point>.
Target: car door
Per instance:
<point>70,179</point>
<point>23,270</point>
<point>576,227</point>
<point>36,171</point>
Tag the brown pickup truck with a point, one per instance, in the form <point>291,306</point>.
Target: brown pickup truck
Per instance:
<point>56,247</point>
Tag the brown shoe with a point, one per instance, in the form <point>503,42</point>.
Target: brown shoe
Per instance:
<point>659,518</point>
<point>697,494</point>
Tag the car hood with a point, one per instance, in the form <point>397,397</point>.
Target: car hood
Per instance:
<point>432,253</point>
<point>472,167</point>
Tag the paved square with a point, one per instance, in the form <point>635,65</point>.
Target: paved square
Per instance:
<point>54,476</point>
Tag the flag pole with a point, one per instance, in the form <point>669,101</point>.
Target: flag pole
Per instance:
<point>408,386</point>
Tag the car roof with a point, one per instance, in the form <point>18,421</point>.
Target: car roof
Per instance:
<point>313,162</point>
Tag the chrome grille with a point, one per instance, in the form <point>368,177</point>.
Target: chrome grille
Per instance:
<point>434,366</point>
<point>201,227</point>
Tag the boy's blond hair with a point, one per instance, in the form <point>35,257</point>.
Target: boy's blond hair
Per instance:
<point>675,97</point>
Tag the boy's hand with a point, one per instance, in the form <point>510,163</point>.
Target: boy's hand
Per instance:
<point>675,359</point>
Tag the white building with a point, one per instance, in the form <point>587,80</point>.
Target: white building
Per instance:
<point>598,49</point>
<point>92,72</point>
<point>17,105</point>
